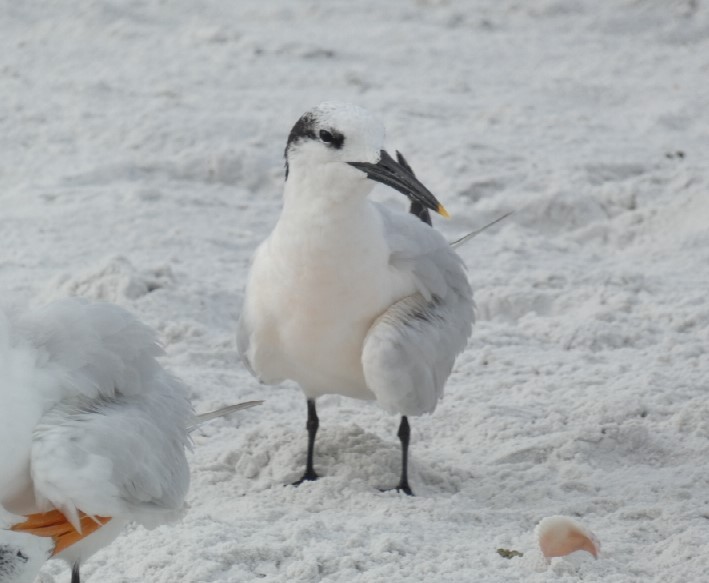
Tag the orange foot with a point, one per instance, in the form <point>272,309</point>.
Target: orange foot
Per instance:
<point>54,524</point>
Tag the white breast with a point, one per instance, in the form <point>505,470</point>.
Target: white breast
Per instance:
<point>311,297</point>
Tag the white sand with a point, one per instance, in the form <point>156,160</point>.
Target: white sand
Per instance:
<point>141,162</point>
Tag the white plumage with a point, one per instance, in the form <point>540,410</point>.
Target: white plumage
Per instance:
<point>90,423</point>
<point>346,296</point>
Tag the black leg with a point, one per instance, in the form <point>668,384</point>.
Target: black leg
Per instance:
<point>312,426</point>
<point>75,577</point>
<point>404,436</point>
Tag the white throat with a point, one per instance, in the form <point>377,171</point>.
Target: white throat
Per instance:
<point>331,189</point>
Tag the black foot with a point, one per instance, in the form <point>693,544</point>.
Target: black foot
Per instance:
<point>405,489</point>
<point>401,489</point>
<point>308,476</point>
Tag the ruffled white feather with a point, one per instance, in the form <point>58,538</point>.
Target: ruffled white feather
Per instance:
<point>90,421</point>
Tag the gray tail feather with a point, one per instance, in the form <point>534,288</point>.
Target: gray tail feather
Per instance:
<point>466,238</point>
<point>204,417</point>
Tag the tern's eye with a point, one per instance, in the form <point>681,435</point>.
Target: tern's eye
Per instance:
<point>326,136</point>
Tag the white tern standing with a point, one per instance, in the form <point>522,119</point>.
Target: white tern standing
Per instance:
<point>346,296</point>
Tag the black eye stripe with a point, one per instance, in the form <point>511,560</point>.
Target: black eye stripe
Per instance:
<point>332,138</point>
<point>304,130</point>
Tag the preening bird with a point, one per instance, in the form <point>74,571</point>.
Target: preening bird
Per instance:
<point>346,296</point>
<point>93,433</point>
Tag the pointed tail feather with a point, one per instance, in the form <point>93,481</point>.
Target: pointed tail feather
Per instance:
<point>458,242</point>
<point>204,417</point>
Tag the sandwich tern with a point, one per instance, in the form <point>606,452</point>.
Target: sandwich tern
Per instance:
<point>346,296</point>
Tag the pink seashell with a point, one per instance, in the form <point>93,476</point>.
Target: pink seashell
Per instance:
<point>559,536</point>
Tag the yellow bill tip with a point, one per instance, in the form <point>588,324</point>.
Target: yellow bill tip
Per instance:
<point>441,210</point>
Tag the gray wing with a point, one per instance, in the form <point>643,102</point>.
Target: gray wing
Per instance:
<point>113,442</point>
<point>90,348</point>
<point>115,456</point>
<point>410,349</point>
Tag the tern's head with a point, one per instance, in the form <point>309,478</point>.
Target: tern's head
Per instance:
<point>333,134</point>
<point>338,147</point>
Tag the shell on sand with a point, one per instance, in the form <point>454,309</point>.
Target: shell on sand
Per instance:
<point>559,536</point>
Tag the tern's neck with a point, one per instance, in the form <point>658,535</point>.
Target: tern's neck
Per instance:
<point>326,194</point>
<point>315,218</point>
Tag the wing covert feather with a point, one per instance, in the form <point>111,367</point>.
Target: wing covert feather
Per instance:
<point>410,349</point>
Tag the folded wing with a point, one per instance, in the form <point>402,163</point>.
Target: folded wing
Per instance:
<point>410,349</point>
<point>115,456</point>
<point>111,440</point>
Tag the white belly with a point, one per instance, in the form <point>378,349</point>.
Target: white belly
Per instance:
<point>312,298</point>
